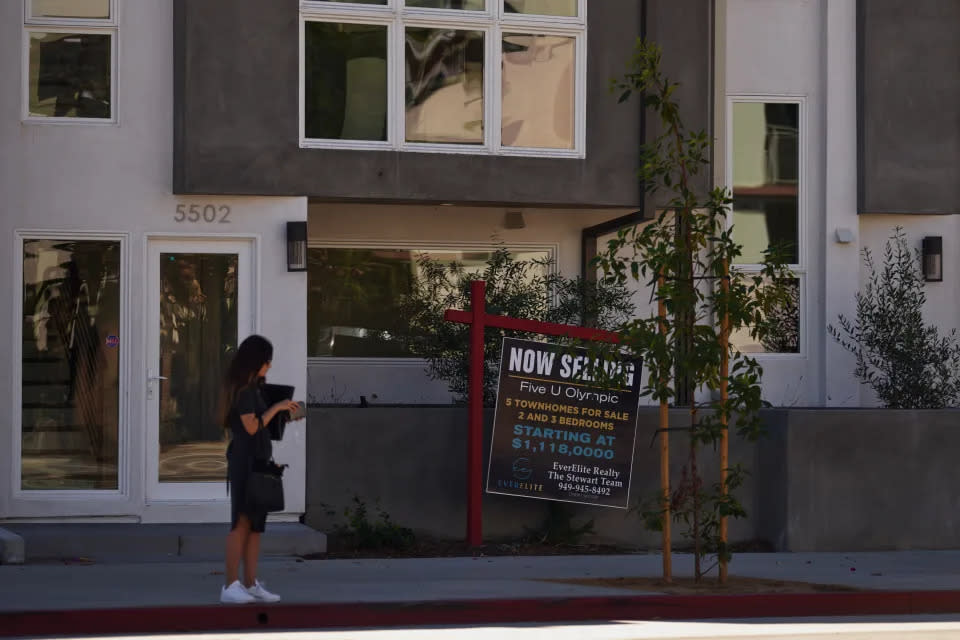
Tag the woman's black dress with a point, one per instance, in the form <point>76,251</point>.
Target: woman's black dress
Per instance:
<point>244,452</point>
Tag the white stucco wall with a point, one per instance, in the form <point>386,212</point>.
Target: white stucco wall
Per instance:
<point>805,49</point>
<point>943,298</point>
<point>117,178</point>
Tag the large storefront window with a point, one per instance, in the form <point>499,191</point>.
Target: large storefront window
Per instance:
<point>352,292</point>
<point>767,184</point>
<point>70,365</point>
<point>454,76</point>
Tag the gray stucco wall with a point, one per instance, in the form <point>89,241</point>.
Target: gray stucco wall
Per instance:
<point>822,479</point>
<point>412,462</point>
<point>237,118</point>
<point>684,30</point>
<point>861,479</point>
<point>909,106</point>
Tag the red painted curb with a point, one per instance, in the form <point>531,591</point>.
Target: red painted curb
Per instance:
<point>452,612</point>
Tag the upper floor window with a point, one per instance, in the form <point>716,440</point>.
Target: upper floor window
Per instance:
<point>70,60</point>
<point>456,76</point>
<point>765,173</point>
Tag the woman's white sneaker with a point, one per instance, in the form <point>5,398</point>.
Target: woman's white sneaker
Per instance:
<point>257,591</point>
<point>236,594</point>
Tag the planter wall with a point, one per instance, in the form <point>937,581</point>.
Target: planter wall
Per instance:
<point>411,461</point>
<point>860,480</point>
<point>822,480</point>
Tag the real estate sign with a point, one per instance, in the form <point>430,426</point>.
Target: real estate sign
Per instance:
<point>563,430</point>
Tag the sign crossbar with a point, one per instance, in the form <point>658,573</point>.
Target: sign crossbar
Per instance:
<point>479,319</point>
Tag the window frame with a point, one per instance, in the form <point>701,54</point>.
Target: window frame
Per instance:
<point>800,267</point>
<point>82,26</point>
<point>493,22</point>
<point>124,434</point>
<point>551,249</point>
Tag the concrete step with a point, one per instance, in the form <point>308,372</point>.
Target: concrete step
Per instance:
<point>39,417</point>
<point>65,439</point>
<point>45,369</point>
<point>121,542</point>
<point>46,392</point>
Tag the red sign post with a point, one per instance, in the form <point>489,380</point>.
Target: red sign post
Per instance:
<point>479,319</point>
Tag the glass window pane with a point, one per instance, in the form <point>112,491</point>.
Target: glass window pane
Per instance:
<point>783,326</point>
<point>69,75</point>
<point>360,1</point>
<point>469,5</point>
<point>352,293</point>
<point>444,85</point>
<point>539,105</point>
<point>198,336</point>
<point>766,161</point>
<point>70,364</point>
<point>70,8</point>
<point>542,7</point>
<point>345,95</point>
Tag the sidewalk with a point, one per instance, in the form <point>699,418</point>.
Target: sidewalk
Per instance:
<point>157,596</point>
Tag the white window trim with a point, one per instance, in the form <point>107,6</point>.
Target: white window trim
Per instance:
<point>28,18</point>
<point>150,311</point>
<point>552,250</point>
<point>107,26</point>
<point>492,22</point>
<point>122,492</point>
<point>799,268</point>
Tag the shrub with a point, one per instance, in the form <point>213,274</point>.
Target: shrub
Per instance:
<point>518,288</point>
<point>907,363</point>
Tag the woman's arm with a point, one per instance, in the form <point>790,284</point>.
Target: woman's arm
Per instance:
<point>252,424</point>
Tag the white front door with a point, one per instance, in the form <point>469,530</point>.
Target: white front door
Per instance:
<point>200,304</point>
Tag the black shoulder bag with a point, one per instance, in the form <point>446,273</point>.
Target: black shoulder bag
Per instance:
<point>265,484</point>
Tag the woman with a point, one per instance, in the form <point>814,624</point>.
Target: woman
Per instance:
<point>246,415</point>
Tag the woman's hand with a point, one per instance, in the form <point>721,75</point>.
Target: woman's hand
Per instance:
<point>290,406</point>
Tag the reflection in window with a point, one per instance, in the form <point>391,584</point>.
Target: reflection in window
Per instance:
<point>538,91</point>
<point>198,336</point>
<point>70,364</point>
<point>542,7</point>
<point>345,96</point>
<point>783,325</point>
<point>69,75</point>
<point>766,161</point>
<point>444,85</point>
<point>351,293</point>
<point>469,5</point>
<point>87,9</point>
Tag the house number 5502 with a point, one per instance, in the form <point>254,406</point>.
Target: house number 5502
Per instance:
<point>202,213</point>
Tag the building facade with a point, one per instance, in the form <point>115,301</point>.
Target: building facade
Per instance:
<point>153,154</point>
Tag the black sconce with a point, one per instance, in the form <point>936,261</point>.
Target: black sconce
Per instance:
<point>933,259</point>
<point>296,246</point>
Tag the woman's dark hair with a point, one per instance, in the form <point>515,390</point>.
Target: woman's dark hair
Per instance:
<point>251,355</point>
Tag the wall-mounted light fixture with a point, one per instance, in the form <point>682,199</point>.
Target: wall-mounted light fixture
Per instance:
<point>297,246</point>
<point>844,235</point>
<point>932,258</point>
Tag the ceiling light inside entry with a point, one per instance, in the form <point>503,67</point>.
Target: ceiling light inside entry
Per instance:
<point>514,220</point>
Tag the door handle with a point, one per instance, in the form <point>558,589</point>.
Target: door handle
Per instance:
<point>150,380</point>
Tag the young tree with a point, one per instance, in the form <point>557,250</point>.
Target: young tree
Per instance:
<point>684,257</point>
